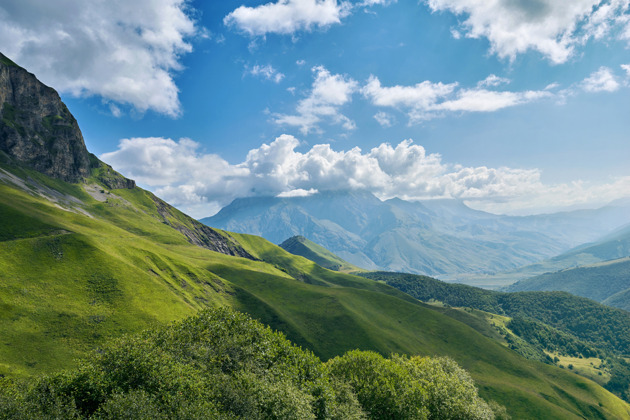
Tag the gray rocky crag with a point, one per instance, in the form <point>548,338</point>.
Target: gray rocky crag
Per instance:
<point>36,127</point>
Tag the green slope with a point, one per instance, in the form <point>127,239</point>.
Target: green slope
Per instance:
<point>546,323</point>
<point>299,245</point>
<point>78,271</point>
<point>607,282</point>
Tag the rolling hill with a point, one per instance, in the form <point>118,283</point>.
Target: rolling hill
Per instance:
<point>606,282</point>
<point>299,245</point>
<point>85,260</point>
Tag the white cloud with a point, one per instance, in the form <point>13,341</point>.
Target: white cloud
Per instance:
<point>200,184</point>
<point>428,100</point>
<point>493,81</point>
<point>287,16</point>
<point>266,72</point>
<point>376,2</point>
<point>482,100</point>
<point>298,193</point>
<point>603,80</point>
<point>421,95</point>
<point>328,94</point>
<point>626,68</point>
<point>553,28</point>
<point>384,119</point>
<point>124,51</point>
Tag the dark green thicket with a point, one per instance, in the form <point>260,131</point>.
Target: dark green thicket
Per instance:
<point>223,364</point>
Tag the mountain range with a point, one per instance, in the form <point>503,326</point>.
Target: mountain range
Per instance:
<point>443,238</point>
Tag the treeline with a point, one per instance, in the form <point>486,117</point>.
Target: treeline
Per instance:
<point>221,364</point>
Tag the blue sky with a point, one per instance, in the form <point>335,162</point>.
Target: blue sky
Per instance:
<point>515,106</point>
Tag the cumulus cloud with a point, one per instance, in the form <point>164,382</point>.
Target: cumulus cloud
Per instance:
<point>428,100</point>
<point>126,52</point>
<point>626,68</point>
<point>267,72</point>
<point>603,80</point>
<point>200,184</point>
<point>328,94</point>
<point>553,28</point>
<point>287,16</point>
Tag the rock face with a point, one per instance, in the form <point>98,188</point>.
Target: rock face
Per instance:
<point>36,127</point>
<point>198,233</point>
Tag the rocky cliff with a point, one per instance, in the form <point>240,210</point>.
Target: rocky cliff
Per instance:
<point>36,128</point>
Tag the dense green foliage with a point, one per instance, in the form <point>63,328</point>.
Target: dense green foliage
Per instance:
<point>222,364</point>
<point>411,388</point>
<point>551,339</point>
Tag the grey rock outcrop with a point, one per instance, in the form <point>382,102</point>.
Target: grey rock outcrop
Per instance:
<point>36,127</point>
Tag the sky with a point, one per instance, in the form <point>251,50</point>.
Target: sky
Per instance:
<point>514,106</point>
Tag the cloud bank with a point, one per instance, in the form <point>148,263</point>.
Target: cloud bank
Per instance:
<point>125,51</point>
<point>200,184</point>
<point>553,28</point>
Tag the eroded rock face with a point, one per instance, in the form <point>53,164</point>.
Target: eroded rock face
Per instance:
<point>36,127</point>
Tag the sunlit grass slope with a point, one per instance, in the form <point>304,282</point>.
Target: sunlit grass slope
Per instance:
<point>299,245</point>
<point>80,270</point>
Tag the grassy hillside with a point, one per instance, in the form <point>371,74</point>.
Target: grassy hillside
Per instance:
<point>546,323</point>
<point>79,268</point>
<point>299,245</point>
<point>607,282</point>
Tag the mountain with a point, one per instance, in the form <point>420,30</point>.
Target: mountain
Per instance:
<point>615,245</point>
<point>607,282</point>
<point>439,237</point>
<point>37,128</point>
<point>85,262</point>
<point>299,245</point>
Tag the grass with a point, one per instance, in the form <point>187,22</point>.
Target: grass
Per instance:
<point>69,282</point>
<point>589,367</point>
<point>299,245</point>
<point>6,61</point>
